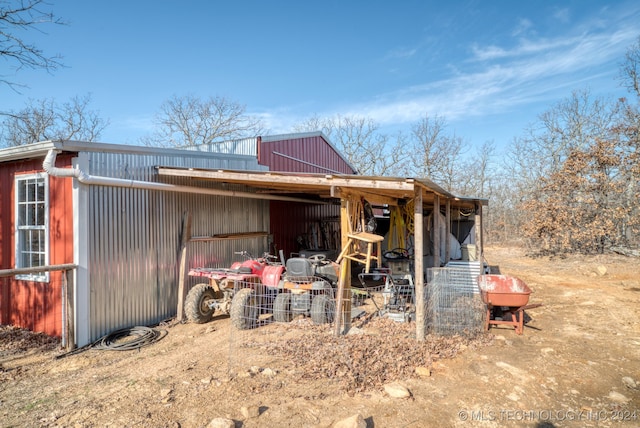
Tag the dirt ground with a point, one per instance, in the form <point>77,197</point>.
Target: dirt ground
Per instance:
<point>577,365</point>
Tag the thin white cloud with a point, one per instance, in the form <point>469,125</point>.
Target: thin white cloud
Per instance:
<point>496,79</point>
<point>401,53</point>
<point>498,87</point>
<point>562,15</point>
<point>522,27</point>
<point>525,47</point>
<point>488,53</point>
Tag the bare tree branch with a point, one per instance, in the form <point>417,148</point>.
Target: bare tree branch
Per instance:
<point>630,69</point>
<point>16,18</point>
<point>189,121</point>
<point>44,119</point>
<point>359,140</point>
<point>437,155</point>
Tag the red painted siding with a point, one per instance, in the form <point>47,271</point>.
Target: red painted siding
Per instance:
<point>35,305</point>
<point>301,154</point>
<point>310,154</point>
<point>290,220</point>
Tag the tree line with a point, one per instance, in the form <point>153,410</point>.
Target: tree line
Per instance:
<point>569,183</point>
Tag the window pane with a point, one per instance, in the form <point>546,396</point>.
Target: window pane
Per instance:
<point>30,215</point>
<point>42,239</point>
<point>38,241</point>
<point>23,256</point>
<point>35,259</point>
<point>31,191</point>
<point>22,190</point>
<point>41,190</point>
<point>40,211</point>
<point>22,215</point>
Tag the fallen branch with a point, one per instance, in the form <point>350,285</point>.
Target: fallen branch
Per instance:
<point>626,251</point>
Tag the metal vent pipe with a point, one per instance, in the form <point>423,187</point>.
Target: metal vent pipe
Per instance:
<point>49,166</point>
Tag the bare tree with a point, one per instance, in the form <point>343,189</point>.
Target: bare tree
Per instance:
<point>359,138</point>
<point>315,123</point>
<point>503,220</point>
<point>572,123</point>
<point>45,119</point>
<point>630,69</point>
<point>19,16</point>
<point>188,121</point>
<point>628,132</point>
<point>576,173</point>
<point>436,154</point>
<point>475,176</point>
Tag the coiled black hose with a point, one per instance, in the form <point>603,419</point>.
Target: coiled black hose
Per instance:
<point>140,336</point>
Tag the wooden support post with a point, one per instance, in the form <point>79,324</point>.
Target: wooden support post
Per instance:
<point>447,214</point>
<point>340,296</point>
<point>343,303</point>
<point>419,265</point>
<point>185,236</point>
<point>436,231</point>
<point>479,235</point>
<point>346,299</point>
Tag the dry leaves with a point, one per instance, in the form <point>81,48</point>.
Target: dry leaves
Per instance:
<point>385,351</point>
<point>14,340</point>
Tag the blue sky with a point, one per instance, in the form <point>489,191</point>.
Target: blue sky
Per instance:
<point>488,67</point>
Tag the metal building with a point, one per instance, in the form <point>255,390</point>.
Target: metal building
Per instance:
<point>104,208</point>
<point>116,213</point>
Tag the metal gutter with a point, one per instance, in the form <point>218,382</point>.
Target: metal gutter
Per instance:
<point>49,166</point>
<point>35,150</point>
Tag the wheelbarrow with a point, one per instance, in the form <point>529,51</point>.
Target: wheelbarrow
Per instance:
<point>510,295</point>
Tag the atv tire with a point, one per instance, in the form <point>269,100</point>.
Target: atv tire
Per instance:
<point>323,309</point>
<point>195,305</point>
<point>282,308</point>
<point>244,309</point>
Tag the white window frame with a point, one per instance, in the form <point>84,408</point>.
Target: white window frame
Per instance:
<point>19,229</point>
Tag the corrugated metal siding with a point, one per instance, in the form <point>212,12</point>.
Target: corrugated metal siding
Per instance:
<point>305,154</point>
<point>245,146</point>
<point>35,305</point>
<point>133,238</point>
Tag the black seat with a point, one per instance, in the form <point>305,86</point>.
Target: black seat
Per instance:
<point>299,266</point>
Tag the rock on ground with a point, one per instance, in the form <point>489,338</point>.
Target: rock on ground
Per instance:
<point>355,421</point>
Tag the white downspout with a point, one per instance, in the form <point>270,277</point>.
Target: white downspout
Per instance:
<point>49,166</point>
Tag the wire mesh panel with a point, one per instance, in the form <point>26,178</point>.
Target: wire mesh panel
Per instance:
<point>252,304</point>
<point>392,295</point>
<point>452,305</point>
<point>260,314</point>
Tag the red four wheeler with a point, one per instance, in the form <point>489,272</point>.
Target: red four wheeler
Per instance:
<point>222,292</point>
